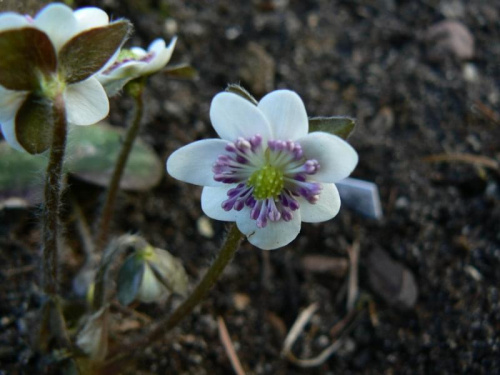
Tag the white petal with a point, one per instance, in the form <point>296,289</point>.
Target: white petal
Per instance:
<point>86,102</point>
<point>11,20</point>
<point>233,117</point>
<point>138,51</point>
<point>286,114</point>
<point>58,21</point>
<point>336,157</point>
<point>9,133</point>
<point>211,201</point>
<point>10,101</point>
<point>112,85</point>
<point>193,163</point>
<point>151,288</point>
<point>90,17</point>
<point>273,235</point>
<point>326,208</point>
<point>162,55</point>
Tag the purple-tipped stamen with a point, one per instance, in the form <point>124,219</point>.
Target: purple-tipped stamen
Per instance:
<point>246,156</point>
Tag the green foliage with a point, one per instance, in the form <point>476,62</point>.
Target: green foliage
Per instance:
<point>34,124</point>
<point>26,52</point>
<point>238,90</point>
<point>336,125</point>
<point>87,52</point>
<point>129,279</point>
<point>92,151</point>
<point>181,71</point>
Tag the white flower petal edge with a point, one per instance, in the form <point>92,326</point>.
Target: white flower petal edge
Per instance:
<point>162,55</point>
<point>274,235</point>
<point>58,22</point>
<point>10,101</point>
<point>211,198</point>
<point>86,102</point>
<point>10,20</point>
<point>326,208</point>
<point>193,163</point>
<point>233,117</point>
<point>9,133</point>
<point>286,114</point>
<point>90,17</point>
<point>336,157</point>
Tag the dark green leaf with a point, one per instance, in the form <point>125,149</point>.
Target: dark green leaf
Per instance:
<point>26,53</point>
<point>34,124</point>
<point>21,177</point>
<point>238,90</point>
<point>87,52</point>
<point>129,279</point>
<point>181,71</point>
<point>337,125</point>
<point>93,151</point>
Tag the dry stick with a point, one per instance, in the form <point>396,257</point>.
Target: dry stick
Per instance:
<point>352,290</point>
<point>109,204</point>
<point>51,207</point>
<point>226,253</point>
<point>228,345</point>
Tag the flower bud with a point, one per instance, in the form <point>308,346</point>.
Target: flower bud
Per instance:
<point>93,338</point>
<point>149,275</point>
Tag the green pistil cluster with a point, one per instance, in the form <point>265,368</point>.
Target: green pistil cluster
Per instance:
<point>51,86</point>
<point>268,182</point>
<point>126,55</point>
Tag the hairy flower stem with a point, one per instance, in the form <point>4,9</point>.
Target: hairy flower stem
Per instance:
<point>52,324</point>
<point>135,89</point>
<point>53,184</point>
<point>226,253</point>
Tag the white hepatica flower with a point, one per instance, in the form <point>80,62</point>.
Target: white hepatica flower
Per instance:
<point>56,28</point>
<point>266,172</point>
<point>134,63</point>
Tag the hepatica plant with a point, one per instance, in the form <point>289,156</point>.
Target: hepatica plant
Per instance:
<point>266,173</point>
<point>55,53</point>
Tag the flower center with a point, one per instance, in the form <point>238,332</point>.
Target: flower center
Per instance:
<point>270,178</point>
<point>267,182</point>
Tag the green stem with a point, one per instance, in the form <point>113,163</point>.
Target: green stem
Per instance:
<point>107,212</point>
<point>53,186</point>
<point>226,253</point>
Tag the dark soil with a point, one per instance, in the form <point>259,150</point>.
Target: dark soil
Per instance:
<point>412,96</point>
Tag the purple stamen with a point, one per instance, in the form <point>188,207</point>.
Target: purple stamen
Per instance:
<point>246,156</point>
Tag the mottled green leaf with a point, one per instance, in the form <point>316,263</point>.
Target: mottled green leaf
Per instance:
<point>337,125</point>
<point>238,90</point>
<point>181,71</point>
<point>26,52</point>
<point>87,52</point>
<point>129,279</point>
<point>21,175</point>
<point>34,124</point>
<point>93,150</point>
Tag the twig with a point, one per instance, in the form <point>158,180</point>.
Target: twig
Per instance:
<point>228,346</point>
<point>477,160</point>
<point>297,328</point>
<point>299,325</point>
<point>352,290</point>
